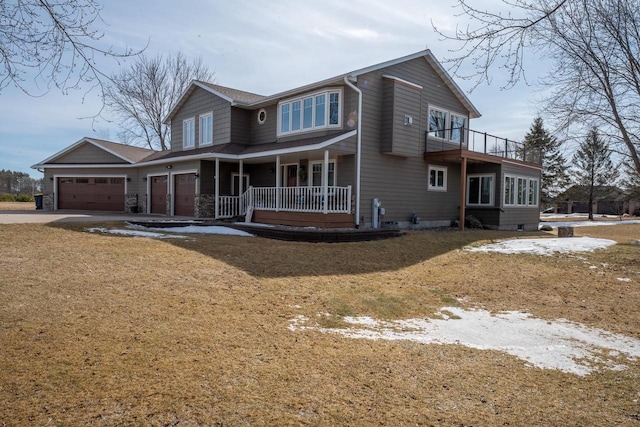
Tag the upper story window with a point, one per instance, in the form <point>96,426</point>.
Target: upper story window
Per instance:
<point>480,190</point>
<point>206,129</point>
<point>310,112</point>
<point>447,125</point>
<point>189,133</point>
<point>521,191</point>
<point>437,178</point>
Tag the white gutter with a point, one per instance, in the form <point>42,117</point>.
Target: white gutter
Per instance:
<point>358,147</point>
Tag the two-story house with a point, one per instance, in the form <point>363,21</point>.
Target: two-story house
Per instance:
<point>389,143</point>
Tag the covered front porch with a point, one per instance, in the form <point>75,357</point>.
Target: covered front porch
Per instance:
<point>312,188</point>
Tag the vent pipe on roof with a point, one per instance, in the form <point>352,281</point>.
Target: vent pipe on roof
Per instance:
<point>358,147</point>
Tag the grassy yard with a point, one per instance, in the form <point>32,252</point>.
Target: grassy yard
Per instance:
<point>109,330</point>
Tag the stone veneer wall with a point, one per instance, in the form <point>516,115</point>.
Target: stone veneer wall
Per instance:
<point>205,205</point>
<point>47,202</point>
<point>131,203</point>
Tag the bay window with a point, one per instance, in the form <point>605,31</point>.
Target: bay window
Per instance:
<point>310,112</point>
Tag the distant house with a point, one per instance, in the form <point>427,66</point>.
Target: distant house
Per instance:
<point>386,144</point>
<point>609,200</point>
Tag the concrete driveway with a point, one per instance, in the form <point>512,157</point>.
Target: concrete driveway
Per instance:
<point>42,217</point>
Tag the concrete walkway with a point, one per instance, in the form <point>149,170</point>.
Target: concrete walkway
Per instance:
<point>42,217</point>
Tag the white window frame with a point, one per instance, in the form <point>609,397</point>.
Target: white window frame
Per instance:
<point>530,199</point>
<point>314,127</point>
<point>209,134</point>
<point>462,132</point>
<point>437,169</point>
<point>447,124</point>
<point>321,163</point>
<point>492,192</point>
<point>246,180</point>
<point>189,125</point>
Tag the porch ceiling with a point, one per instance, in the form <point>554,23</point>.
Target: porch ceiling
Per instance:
<point>472,157</point>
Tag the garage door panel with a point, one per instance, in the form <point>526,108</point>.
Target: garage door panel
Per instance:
<point>184,194</point>
<point>159,194</point>
<point>93,193</point>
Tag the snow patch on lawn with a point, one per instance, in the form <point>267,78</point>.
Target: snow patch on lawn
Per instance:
<point>544,246</point>
<point>556,224</point>
<point>163,233</point>
<point>559,344</point>
<point>208,229</point>
<point>135,233</point>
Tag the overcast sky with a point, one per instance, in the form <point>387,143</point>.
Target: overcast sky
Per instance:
<point>260,47</point>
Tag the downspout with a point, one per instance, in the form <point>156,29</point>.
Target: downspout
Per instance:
<point>358,147</point>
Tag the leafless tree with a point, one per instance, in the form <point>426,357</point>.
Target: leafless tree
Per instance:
<point>593,47</point>
<point>142,96</point>
<point>56,43</point>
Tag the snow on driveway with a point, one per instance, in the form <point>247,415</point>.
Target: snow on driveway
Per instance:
<point>544,246</point>
<point>559,344</point>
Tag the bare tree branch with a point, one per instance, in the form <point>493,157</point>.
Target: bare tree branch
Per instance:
<point>54,43</point>
<point>143,95</point>
<point>594,49</point>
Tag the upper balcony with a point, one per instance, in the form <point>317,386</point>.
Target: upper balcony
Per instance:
<point>457,143</point>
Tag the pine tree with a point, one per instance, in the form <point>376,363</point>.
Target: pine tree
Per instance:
<point>593,166</point>
<point>539,145</point>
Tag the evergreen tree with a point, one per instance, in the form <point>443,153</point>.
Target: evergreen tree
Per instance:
<point>593,166</point>
<point>540,146</point>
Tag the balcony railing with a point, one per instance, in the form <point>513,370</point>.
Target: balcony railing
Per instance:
<point>287,199</point>
<point>480,142</point>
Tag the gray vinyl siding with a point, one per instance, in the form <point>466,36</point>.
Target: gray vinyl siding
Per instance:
<point>266,132</point>
<point>400,100</point>
<point>202,102</point>
<point>240,127</point>
<point>401,183</point>
<point>88,154</point>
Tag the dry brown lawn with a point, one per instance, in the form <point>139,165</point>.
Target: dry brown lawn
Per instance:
<point>17,206</point>
<point>107,330</point>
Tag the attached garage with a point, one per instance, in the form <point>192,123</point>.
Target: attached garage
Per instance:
<point>184,194</point>
<point>91,193</point>
<point>158,190</point>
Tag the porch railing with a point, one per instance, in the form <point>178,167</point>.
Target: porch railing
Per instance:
<point>480,142</point>
<point>287,199</point>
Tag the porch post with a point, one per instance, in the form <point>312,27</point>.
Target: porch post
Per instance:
<point>463,192</point>
<point>217,189</point>
<point>325,183</point>
<point>278,180</point>
<point>240,189</point>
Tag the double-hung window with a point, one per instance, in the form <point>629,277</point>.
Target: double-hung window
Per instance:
<point>316,174</point>
<point>521,191</point>
<point>480,190</point>
<point>314,111</point>
<point>437,178</point>
<point>189,133</point>
<point>206,129</point>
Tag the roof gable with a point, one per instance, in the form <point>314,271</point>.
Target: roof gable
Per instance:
<point>252,100</point>
<point>97,151</point>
